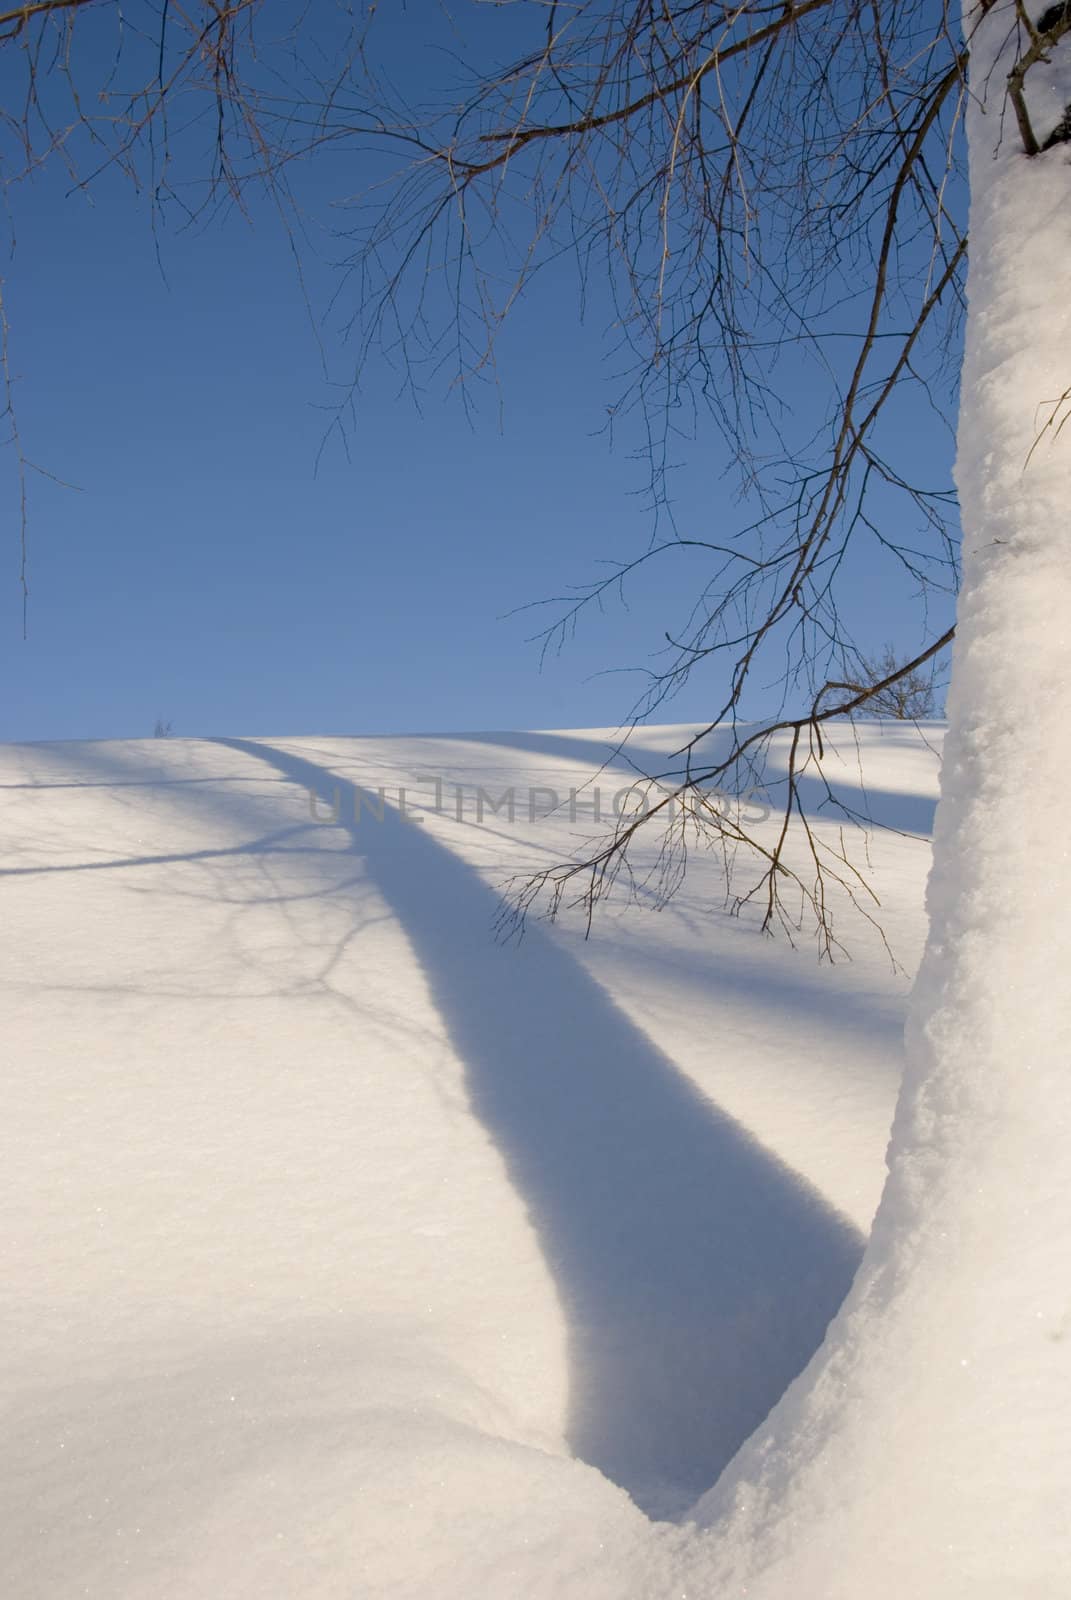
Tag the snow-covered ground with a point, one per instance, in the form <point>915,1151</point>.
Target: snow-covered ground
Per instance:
<point>350,1252</point>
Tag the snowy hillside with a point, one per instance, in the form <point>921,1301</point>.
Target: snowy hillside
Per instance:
<point>348,1252</point>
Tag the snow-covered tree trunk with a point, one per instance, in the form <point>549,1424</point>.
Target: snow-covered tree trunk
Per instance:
<point>926,1452</point>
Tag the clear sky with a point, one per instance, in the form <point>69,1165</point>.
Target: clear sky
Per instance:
<point>208,570</point>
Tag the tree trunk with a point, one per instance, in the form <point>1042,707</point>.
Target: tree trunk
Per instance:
<point>926,1451</point>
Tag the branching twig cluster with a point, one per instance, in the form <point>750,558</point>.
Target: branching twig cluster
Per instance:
<point>772,193</point>
<point>771,190</point>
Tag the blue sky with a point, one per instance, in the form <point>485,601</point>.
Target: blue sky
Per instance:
<point>208,569</point>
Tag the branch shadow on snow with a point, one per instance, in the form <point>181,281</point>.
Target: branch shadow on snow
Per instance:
<point>902,812</point>
<point>696,1272</point>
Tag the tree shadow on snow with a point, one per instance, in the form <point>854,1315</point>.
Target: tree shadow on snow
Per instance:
<point>899,811</point>
<point>696,1272</point>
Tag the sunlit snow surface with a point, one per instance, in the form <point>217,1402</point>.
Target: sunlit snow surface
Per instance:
<point>348,1252</point>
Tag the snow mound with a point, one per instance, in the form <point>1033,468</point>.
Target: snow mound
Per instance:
<point>349,1252</point>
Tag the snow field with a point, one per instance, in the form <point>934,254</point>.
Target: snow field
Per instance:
<point>350,1252</point>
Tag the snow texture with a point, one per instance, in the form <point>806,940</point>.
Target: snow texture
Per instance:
<point>347,1252</point>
